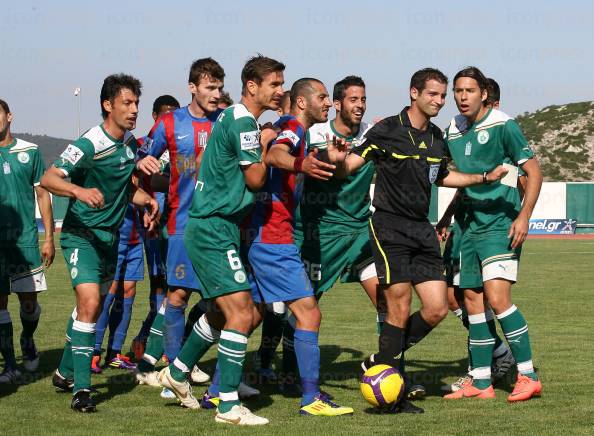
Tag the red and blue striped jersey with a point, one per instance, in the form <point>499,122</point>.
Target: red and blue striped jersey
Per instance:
<point>184,137</point>
<point>273,217</point>
<point>131,230</point>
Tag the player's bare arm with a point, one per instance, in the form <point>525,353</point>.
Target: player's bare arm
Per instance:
<point>54,180</point>
<point>149,165</point>
<point>519,228</point>
<point>442,226</point>
<point>460,180</point>
<point>279,157</point>
<point>48,250</point>
<point>255,174</point>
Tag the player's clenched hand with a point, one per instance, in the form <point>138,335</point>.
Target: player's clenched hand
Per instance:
<point>337,149</point>
<point>496,174</point>
<point>48,252</point>
<point>268,133</point>
<point>151,214</point>
<point>518,231</point>
<point>92,197</point>
<point>315,168</point>
<point>149,165</point>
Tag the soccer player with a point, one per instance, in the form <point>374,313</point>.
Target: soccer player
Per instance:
<point>225,101</point>
<point>495,228</point>
<point>279,273</point>
<point>409,155</point>
<point>183,133</point>
<point>285,105</point>
<point>21,263</point>
<point>503,359</point>
<point>100,165</point>
<point>155,243</point>
<point>232,170</point>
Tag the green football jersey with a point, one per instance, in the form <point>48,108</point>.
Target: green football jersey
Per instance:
<point>491,141</point>
<point>336,204</point>
<point>22,168</point>
<point>96,160</point>
<point>221,190</point>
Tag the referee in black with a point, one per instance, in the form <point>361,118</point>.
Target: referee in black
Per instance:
<point>409,155</point>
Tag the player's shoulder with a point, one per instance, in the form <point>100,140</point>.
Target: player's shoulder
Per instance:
<point>22,145</point>
<point>458,125</point>
<point>96,138</point>
<point>317,133</point>
<point>290,129</point>
<point>493,119</point>
<point>385,128</point>
<point>239,112</point>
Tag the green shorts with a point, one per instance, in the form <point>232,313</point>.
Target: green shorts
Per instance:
<point>487,256</point>
<point>21,269</point>
<point>328,257</point>
<point>451,255</point>
<point>213,246</point>
<point>91,256</point>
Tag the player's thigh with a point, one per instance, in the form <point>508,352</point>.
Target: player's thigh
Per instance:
<point>434,301</point>
<point>427,262</point>
<point>130,266</point>
<point>325,258</point>
<point>213,247</point>
<point>307,312</point>
<point>238,310</point>
<point>359,262</point>
<point>498,293</point>
<point>470,266</point>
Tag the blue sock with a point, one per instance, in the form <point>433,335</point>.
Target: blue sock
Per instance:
<point>213,389</point>
<point>173,334</point>
<point>121,329</point>
<point>308,361</point>
<point>156,300</point>
<point>101,324</point>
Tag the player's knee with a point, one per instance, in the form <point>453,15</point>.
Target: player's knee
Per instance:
<point>434,315</point>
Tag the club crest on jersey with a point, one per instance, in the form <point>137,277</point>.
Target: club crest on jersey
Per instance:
<point>73,272</point>
<point>72,154</point>
<point>202,138</point>
<point>23,157</point>
<point>433,172</point>
<point>239,276</point>
<point>483,137</point>
<point>122,162</point>
<point>250,140</point>
<point>129,152</point>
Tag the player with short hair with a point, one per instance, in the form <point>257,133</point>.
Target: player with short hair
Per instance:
<point>496,226</point>
<point>182,133</point>
<point>503,359</point>
<point>285,105</point>
<point>225,101</point>
<point>100,165</point>
<point>21,263</point>
<point>279,273</point>
<point>232,170</point>
<point>409,155</point>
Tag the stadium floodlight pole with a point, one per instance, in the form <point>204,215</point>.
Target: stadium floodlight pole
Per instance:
<point>77,95</point>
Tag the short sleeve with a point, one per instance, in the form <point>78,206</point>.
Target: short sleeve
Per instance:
<point>38,168</point>
<point>514,141</point>
<point>370,149</point>
<point>244,138</point>
<point>288,136</point>
<point>155,143</point>
<point>77,158</point>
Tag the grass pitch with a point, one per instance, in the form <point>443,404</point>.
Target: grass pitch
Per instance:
<point>555,294</point>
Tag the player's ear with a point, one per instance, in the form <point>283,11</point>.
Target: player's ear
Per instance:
<point>107,106</point>
<point>414,93</point>
<point>252,87</point>
<point>337,105</point>
<point>484,95</point>
<point>301,102</point>
<point>9,117</point>
<point>192,88</point>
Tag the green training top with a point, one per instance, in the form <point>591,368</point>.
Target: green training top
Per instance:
<point>22,168</point>
<point>221,190</point>
<point>96,160</point>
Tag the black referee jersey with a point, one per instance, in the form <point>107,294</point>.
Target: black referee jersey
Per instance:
<point>407,162</point>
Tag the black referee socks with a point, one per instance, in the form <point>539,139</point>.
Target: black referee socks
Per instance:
<point>391,343</point>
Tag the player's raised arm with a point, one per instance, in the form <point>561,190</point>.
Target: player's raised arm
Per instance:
<point>279,157</point>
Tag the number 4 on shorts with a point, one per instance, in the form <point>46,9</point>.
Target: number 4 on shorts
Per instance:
<point>74,257</point>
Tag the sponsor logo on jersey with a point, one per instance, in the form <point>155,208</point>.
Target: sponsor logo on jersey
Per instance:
<point>6,168</point>
<point>250,140</point>
<point>290,135</point>
<point>202,138</point>
<point>23,157</point>
<point>483,137</point>
<point>433,172</point>
<point>468,149</point>
<point>72,154</point>
<point>144,148</point>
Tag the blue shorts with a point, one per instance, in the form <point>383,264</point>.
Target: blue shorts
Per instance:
<point>180,272</point>
<point>154,261</point>
<point>130,265</point>
<point>279,274</point>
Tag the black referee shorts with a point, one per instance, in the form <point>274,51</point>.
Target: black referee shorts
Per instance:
<point>404,250</point>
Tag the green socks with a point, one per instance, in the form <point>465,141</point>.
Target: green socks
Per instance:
<point>197,344</point>
<point>66,368</point>
<point>481,342</point>
<point>83,342</point>
<point>154,343</point>
<point>515,330</point>
<point>6,340</point>
<point>232,348</point>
